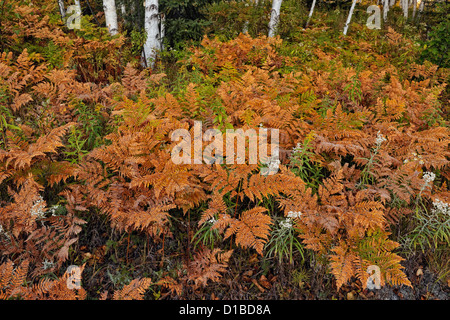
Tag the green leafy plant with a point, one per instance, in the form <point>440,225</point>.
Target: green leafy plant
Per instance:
<point>432,227</point>
<point>284,242</point>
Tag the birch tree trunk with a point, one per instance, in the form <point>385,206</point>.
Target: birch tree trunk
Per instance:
<point>405,7</point>
<point>311,12</point>
<point>78,5</point>
<point>386,5</point>
<point>349,18</point>
<point>245,28</point>
<point>163,31</point>
<point>414,4</point>
<point>109,7</point>
<point>62,10</point>
<point>151,25</point>
<point>274,17</point>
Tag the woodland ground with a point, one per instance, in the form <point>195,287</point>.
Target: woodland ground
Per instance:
<point>87,178</point>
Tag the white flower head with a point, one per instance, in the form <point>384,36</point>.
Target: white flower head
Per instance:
<point>294,214</point>
<point>53,209</point>
<point>37,211</point>
<point>428,177</point>
<point>47,264</point>
<point>212,221</point>
<point>440,207</point>
<point>380,139</point>
<point>286,223</point>
<point>298,148</point>
<point>273,165</point>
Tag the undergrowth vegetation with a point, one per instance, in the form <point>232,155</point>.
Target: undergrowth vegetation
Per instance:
<point>87,177</point>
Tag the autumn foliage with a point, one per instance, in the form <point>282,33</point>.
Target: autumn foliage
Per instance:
<point>365,135</point>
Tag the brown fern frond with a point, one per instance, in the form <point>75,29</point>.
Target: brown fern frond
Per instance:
<point>208,265</point>
<point>135,290</point>
<point>252,229</point>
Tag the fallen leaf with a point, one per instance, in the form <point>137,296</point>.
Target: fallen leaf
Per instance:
<point>263,281</point>
<point>258,285</point>
<point>419,272</point>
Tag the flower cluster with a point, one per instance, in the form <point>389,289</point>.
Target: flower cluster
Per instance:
<point>380,139</point>
<point>53,209</point>
<point>298,148</point>
<point>212,221</point>
<point>47,264</point>
<point>273,164</point>
<point>440,206</point>
<point>37,211</point>
<point>428,177</point>
<point>294,214</point>
<point>286,223</point>
<point>415,157</point>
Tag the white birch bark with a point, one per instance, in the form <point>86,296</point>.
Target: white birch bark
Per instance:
<point>109,7</point>
<point>245,28</point>
<point>414,4</point>
<point>78,5</point>
<point>274,17</point>
<point>421,6</point>
<point>385,9</point>
<point>405,7</point>
<point>349,18</point>
<point>311,12</point>
<point>163,31</point>
<point>151,25</point>
<point>62,10</point>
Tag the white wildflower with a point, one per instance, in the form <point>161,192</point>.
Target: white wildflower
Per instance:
<point>428,177</point>
<point>47,264</point>
<point>212,221</point>
<point>273,164</point>
<point>37,210</point>
<point>297,148</point>
<point>440,206</point>
<point>380,139</point>
<point>294,214</point>
<point>286,224</point>
<point>53,209</point>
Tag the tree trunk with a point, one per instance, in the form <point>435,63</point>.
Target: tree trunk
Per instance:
<point>405,7</point>
<point>414,4</point>
<point>274,17</point>
<point>245,28</point>
<point>78,5</point>
<point>311,12</point>
<point>109,7</point>
<point>349,18</point>
<point>421,6</point>
<point>62,10</point>
<point>163,31</point>
<point>386,4</point>
<point>151,25</point>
